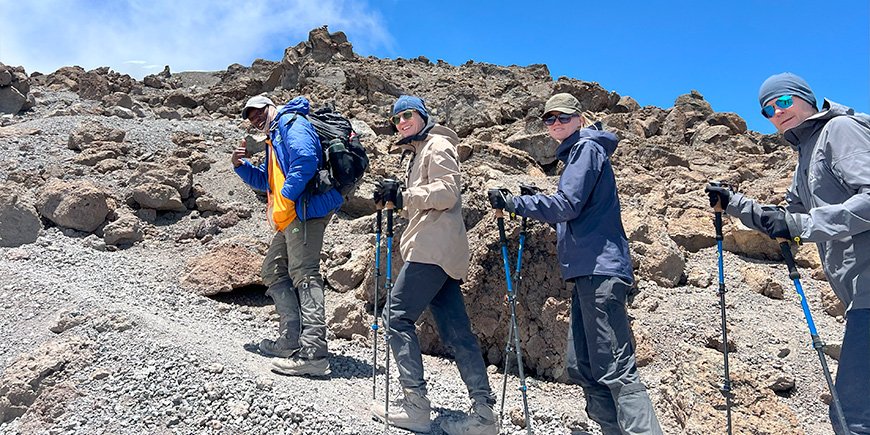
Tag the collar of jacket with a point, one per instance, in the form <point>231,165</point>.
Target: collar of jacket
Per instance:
<point>830,110</point>
<point>594,132</point>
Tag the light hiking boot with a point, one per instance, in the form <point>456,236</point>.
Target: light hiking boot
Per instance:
<point>277,348</point>
<point>296,366</point>
<point>411,413</point>
<point>480,421</point>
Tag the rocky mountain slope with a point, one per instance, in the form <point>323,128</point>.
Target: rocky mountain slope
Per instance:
<point>130,253</point>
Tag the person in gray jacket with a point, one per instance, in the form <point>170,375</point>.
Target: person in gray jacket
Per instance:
<point>828,203</point>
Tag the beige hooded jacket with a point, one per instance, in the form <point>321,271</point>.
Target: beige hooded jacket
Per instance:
<point>433,204</point>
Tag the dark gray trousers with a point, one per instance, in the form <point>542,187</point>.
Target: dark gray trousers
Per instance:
<point>600,358</point>
<point>418,286</point>
<point>853,373</point>
<point>291,261</point>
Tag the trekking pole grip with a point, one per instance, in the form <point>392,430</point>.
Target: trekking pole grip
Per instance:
<point>789,259</point>
<point>717,222</point>
<point>389,207</point>
<point>501,232</point>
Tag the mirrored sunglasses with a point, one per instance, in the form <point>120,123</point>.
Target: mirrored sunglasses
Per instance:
<point>783,102</point>
<point>563,118</point>
<point>406,115</point>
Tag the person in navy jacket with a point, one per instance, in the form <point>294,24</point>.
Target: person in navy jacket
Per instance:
<point>593,254</point>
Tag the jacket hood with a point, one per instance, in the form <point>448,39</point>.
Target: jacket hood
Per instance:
<point>297,105</point>
<point>811,125</point>
<point>605,139</point>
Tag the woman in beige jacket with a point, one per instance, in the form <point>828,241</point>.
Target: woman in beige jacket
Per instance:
<point>435,249</point>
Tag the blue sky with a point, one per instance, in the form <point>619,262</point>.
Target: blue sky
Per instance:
<point>652,51</point>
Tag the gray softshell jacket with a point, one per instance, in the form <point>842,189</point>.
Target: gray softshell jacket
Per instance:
<point>829,198</point>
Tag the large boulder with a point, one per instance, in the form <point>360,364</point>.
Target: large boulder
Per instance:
<point>655,255</point>
<point>324,46</point>
<point>94,86</point>
<point>535,141</point>
<point>126,229</point>
<point>694,107</point>
<point>11,101</point>
<point>14,89</point>
<point>745,241</point>
<point>19,222</point>
<point>173,172</point>
<point>37,373</point>
<point>158,197</point>
<point>91,131</point>
<point>693,230</point>
<point>81,205</point>
<point>232,264</point>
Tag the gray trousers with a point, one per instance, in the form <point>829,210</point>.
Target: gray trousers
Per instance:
<point>853,373</point>
<point>418,286</point>
<point>290,260</point>
<point>600,358</point>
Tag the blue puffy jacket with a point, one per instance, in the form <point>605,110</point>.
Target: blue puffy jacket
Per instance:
<point>298,150</point>
<point>590,238</point>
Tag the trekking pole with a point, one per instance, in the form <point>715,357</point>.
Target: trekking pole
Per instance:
<point>378,222</point>
<point>818,344</point>
<point>388,285</point>
<point>726,385</point>
<point>514,329</point>
<point>391,201</point>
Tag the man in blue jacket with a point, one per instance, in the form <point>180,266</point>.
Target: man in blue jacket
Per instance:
<point>594,255</point>
<point>291,269</point>
<point>828,203</point>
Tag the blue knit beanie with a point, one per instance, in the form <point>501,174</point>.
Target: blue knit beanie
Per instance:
<point>406,102</point>
<point>785,84</point>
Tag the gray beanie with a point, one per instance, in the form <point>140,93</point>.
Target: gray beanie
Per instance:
<point>785,84</point>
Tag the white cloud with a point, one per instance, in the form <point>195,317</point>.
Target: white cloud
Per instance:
<point>137,36</point>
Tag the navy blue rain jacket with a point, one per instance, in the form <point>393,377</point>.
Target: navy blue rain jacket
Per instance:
<point>590,238</point>
<point>298,151</point>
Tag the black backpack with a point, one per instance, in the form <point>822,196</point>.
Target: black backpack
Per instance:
<point>344,159</point>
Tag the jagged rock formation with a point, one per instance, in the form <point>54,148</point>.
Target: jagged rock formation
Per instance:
<point>168,185</point>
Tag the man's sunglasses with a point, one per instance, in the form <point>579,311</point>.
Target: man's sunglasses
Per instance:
<point>783,102</point>
<point>406,115</point>
<point>563,118</point>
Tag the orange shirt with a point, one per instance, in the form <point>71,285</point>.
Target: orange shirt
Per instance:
<point>280,211</point>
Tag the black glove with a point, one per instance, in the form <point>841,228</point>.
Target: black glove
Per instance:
<point>777,223</point>
<point>719,194</point>
<point>378,195</point>
<point>501,199</point>
<point>391,192</point>
<point>529,189</point>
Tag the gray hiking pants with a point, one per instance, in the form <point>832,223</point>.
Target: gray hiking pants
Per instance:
<point>853,373</point>
<point>290,261</point>
<point>600,358</point>
<point>418,286</point>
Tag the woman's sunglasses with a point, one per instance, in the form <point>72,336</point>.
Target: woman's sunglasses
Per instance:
<point>406,115</point>
<point>563,118</point>
<point>783,102</point>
